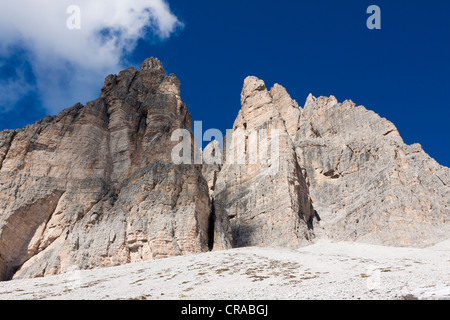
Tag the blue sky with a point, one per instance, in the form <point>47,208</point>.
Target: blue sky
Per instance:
<point>319,47</point>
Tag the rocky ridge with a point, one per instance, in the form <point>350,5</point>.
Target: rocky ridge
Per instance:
<point>267,199</point>
<point>96,185</point>
<point>367,184</point>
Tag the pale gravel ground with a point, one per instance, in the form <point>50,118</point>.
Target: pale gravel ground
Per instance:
<point>324,270</point>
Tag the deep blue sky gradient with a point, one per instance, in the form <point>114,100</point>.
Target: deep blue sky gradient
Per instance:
<point>321,47</point>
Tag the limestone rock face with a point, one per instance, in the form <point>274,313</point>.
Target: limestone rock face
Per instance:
<point>220,236</point>
<point>95,186</point>
<point>365,182</point>
<point>265,197</point>
<point>212,164</point>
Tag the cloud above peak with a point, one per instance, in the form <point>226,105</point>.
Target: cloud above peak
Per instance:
<point>71,45</point>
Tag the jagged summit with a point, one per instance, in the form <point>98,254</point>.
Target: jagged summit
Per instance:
<point>152,64</point>
<point>96,185</point>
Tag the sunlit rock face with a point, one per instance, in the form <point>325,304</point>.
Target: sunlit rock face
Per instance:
<point>365,182</point>
<point>266,199</point>
<point>97,186</point>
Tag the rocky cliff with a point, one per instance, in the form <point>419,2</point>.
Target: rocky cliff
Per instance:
<point>96,185</point>
<point>265,197</point>
<point>351,177</point>
<point>365,182</point>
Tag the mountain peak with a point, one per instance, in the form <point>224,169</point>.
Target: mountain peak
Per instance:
<point>97,185</point>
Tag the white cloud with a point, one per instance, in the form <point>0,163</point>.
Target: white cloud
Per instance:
<point>69,65</point>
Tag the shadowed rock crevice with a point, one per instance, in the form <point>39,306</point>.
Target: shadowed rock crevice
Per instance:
<point>211,226</point>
